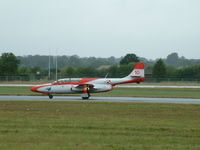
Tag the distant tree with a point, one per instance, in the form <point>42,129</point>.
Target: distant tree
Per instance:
<point>1,67</point>
<point>171,71</point>
<point>74,61</point>
<point>113,71</point>
<point>124,70</point>
<point>159,69</point>
<point>86,72</point>
<point>68,72</point>
<point>9,64</point>
<point>24,71</point>
<point>63,61</point>
<point>189,72</point>
<point>129,58</point>
<point>172,59</point>
<point>36,71</point>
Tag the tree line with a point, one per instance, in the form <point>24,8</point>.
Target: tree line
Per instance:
<point>42,61</point>
<point>10,65</point>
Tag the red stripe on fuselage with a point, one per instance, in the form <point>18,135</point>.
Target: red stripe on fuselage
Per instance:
<point>83,81</point>
<point>131,81</point>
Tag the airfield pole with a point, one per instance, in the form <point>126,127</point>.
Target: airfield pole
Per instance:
<point>56,69</point>
<point>49,66</point>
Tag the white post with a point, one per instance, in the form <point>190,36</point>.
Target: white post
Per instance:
<point>49,67</point>
<point>56,69</point>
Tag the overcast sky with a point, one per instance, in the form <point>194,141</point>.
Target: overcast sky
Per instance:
<point>101,28</point>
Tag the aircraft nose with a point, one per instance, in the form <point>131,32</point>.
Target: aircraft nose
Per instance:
<point>34,89</point>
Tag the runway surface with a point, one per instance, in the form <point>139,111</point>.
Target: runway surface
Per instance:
<point>102,99</point>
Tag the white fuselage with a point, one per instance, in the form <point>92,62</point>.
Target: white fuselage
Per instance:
<point>100,85</point>
<point>89,85</point>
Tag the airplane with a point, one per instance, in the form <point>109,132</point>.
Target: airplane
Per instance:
<point>85,86</point>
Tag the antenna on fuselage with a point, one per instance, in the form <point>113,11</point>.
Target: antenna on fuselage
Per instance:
<point>49,65</point>
<point>106,75</point>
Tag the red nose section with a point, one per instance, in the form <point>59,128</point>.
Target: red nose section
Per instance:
<point>34,89</point>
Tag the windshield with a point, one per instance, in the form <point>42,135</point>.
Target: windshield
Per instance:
<point>70,80</point>
<point>55,82</point>
<point>75,80</point>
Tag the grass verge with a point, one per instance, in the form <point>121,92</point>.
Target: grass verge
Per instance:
<point>96,126</point>
<point>154,92</point>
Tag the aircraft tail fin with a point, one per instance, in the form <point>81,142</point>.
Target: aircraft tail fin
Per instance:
<point>138,71</point>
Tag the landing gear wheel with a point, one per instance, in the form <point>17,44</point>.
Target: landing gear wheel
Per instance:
<point>84,98</point>
<point>50,96</point>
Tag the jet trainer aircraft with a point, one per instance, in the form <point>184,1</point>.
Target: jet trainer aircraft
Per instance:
<point>85,86</point>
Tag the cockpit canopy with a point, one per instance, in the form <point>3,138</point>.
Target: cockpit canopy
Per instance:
<point>67,80</point>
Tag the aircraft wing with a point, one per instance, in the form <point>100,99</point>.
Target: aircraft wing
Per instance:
<point>81,86</point>
<point>93,87</point>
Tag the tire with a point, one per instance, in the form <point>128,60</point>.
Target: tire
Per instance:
<point>50,96</point>
<point>85,98</point>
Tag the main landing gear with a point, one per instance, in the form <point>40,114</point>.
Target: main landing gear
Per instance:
<point>50,96</point>
<point>85,96</point>
<point>86,93</point>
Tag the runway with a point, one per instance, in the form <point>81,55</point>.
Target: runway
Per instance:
<point>102,99</point>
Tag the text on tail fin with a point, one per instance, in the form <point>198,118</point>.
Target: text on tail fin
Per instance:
<point>138,70</point>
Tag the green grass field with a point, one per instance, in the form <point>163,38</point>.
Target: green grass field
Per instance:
<point>154,92</point>
<point>98,126</point>
<point>123,92</point>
